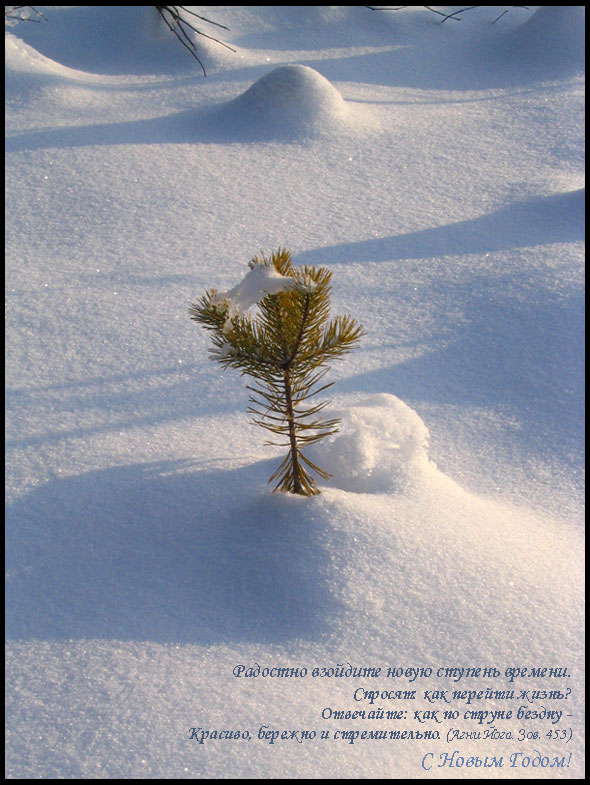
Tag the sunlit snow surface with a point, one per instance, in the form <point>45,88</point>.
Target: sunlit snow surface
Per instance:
<point>437,170</point>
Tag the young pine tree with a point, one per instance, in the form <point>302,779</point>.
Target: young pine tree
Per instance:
<point>286,349</point>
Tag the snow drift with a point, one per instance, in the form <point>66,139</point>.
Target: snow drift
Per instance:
<point>289,102</point>
<point>553,40</point>
<point>137,39</point>
<point>381,447</point>
<point>548,44</point>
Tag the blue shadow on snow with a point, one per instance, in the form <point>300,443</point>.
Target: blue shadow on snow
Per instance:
<point>166,553</point>
<point>558,218</point>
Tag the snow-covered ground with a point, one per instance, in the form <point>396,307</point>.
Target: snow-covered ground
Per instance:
<point>437,170</point>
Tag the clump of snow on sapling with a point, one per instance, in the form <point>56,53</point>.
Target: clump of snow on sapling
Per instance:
<point>286,348</point>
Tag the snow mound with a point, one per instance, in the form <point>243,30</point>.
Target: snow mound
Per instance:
<point>550,44</point>
<point>382,446</point>
<point>20,57</point>
<point>30,70</point>
<point>113,40</point>
<point>555,35</point>
<point>290,101</point>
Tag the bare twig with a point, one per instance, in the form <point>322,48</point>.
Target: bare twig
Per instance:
<point>9,10</point>
<point>180,27</point>
<point>508,9</point>
<point>204,18</point>
<point>446,16</point>
<point>454,15</point>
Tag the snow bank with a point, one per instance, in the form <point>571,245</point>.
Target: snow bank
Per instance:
<point>553,37</point>
<point>122,40</point>
<point>381,447</point>
<point>548,44</point>
<point>20,57</point>
<point>32,72</point>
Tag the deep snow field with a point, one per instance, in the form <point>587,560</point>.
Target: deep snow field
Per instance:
<point>437,170</point>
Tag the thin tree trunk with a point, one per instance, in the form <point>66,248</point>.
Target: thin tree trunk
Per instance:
<point>292,436</point>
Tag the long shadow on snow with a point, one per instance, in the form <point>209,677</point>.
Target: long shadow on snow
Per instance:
<point>159,395</point>
<point>559,218</point>
<point>536,48</point>
<point>166,553</point>
<point>522,357</point>
<point>217,124</point>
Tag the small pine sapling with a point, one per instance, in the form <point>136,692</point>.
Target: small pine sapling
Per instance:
<point>286,348</point>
